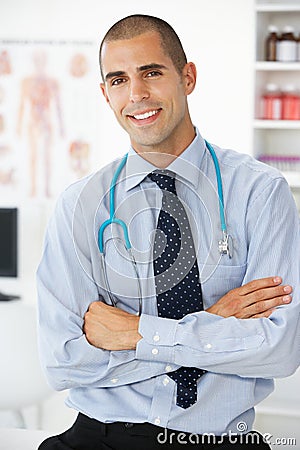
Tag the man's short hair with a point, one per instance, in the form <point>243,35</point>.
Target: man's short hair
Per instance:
<point>137,24</point>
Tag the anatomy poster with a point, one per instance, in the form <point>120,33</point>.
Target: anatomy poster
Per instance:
<point>48,115</point>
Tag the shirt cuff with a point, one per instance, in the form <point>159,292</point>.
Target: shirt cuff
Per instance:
<point>158,338</point>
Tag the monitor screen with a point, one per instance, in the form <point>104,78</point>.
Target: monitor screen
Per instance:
<point>8,242</point>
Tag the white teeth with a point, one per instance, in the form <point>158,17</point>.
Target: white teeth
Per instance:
<point>146,115</point>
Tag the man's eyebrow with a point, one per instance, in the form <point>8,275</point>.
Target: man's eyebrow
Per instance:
<point>121,73</point>
<point>110,75</point>
<point>151,66</point>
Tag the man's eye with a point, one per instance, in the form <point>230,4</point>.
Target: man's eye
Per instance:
<point>117,81</point>
<point>153,73</point>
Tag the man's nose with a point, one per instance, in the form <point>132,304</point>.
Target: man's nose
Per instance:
<point>138,91</point>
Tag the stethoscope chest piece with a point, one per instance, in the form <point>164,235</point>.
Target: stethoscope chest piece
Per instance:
<point>226,245</point>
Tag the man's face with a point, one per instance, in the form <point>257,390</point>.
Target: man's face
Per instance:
<point>146,93</point>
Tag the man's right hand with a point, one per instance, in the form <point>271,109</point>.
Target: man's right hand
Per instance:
<point>256,299</point>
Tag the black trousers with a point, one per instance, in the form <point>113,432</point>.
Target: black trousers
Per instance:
<point>89,434</point>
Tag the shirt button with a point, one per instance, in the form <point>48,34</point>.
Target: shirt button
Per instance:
<point>154,351</point>
<point>166,381</point>
<point>168,368</point>
<point>114,380</point>
<point>157,421</point>
<point>208,346</point>
<point>156,338</point>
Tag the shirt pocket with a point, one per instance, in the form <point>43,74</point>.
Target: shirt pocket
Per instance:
<point>223,279</point>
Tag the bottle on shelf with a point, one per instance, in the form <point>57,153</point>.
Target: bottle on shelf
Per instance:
<point>271,103</point>
<point>271,43</point>
<point>290,103</point>
<point>287,45</point>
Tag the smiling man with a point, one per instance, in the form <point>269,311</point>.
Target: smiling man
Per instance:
<point>149,100</point>
<point>199,331</point>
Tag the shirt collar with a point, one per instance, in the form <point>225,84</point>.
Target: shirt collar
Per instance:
<point>186,166</point>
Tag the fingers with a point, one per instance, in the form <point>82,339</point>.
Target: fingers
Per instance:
<point>98,306</point>
<point>264,308</point>
<point>262,283</point>
<point>262,295</point>
<point>258,298</point>
<point>265,314</point>
<point>103,310</point>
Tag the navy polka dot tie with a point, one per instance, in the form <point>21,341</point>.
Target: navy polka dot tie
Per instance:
<point>177,283</point>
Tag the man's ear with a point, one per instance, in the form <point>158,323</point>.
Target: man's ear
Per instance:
<point>190,76</point>
<point>103,90</point>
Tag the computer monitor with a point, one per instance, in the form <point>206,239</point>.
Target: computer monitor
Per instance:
<point>8,242</point>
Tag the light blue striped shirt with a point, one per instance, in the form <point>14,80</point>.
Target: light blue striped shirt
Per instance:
<point>240,356</point>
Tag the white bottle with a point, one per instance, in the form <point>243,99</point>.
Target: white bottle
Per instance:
<point>287,45</point>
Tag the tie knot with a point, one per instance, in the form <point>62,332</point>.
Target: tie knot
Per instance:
<point>164,179</point>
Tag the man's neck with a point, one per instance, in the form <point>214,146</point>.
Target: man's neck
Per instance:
<point>161,157</point>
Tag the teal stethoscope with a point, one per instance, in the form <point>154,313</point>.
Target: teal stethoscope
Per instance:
<point>224,244</point>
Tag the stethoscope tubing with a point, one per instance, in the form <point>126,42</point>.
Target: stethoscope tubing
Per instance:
<point>112,210</point>
<point>113,220</point>
<point>219,186</point>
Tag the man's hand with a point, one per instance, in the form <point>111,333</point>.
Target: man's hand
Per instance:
<point>111,328</point>
<point>256,299</point>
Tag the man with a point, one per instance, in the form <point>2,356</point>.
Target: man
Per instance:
<point>190,369</point>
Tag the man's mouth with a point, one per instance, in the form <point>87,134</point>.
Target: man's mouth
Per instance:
<point>145,115</point>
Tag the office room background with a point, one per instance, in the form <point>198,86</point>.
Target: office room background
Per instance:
<point>60,38</point>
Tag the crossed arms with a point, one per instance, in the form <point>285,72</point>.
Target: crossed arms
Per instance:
<point>111,328</point>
